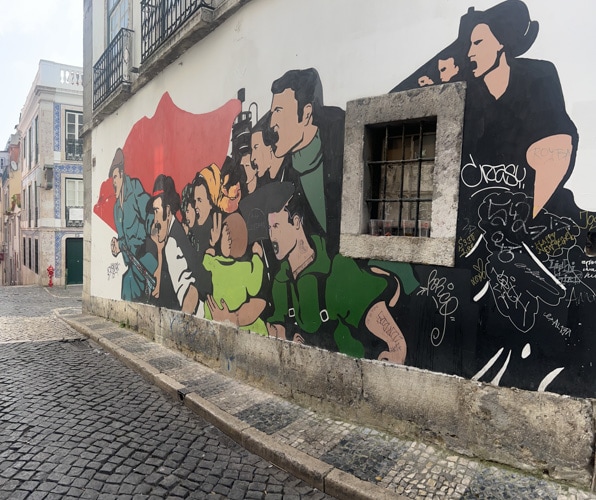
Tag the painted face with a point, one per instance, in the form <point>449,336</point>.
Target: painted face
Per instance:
<point>447,69</point>
<point>423,81</point>
<point>251,173</point>
<point>226,241</point>
<point>284,120</point>
<point>202,204</point>
<point>117,182</point>
<point>160,226</point>
<point>260,154</point>
<point>282,234</point>
<point>485,49</point>
<point>190,215</point>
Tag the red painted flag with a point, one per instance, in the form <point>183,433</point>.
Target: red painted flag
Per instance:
<point>172,142</point>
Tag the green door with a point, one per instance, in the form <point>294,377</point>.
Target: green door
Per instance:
<point>74,261</point>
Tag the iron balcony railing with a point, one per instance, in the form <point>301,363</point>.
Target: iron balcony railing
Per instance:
<point>160,19</point>
<point>74,216</point>
<point>113,67</point>
<point>74,149</point>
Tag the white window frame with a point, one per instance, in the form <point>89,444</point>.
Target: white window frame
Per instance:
<point>78,192</point>
<point>78,124</point>
<point>118,17</point>
<point>446,102</point>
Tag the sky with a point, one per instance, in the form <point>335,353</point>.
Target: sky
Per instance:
<point>31,30</point>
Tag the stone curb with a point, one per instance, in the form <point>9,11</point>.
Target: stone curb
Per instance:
<point>312,471</point>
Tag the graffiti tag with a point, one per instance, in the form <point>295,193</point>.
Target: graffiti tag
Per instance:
<point>552,244</point>
<point>552,154</point>
<point>510,175</point>
<point>440,291</point>
<point>563,330</point>
<point>565,272</point>
<point>590,219</point>
<point>113,270</point>
<point>481,273</point>
<point>577,298</point>
<point>465,244</point>
<point>510,300</point>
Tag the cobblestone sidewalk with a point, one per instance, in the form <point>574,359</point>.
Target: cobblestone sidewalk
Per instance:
<point>344,460</point>
<point>77,423</point>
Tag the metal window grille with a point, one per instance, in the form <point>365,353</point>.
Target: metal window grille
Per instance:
<point>113,67</point>
<point>401,165</point>
<point>160,19</point>
<point>74,217</point>
<point>74,149</point>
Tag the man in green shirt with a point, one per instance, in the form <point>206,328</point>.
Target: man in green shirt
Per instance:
<point>328,302</point>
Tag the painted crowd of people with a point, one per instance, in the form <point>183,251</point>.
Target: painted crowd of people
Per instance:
<point>255,241</point>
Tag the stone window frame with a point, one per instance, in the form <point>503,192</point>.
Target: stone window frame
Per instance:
<point>445,102</point>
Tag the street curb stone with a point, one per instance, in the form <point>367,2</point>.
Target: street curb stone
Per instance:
<point>228,424</point>
<point>298,463</point>
<point>342,460</point>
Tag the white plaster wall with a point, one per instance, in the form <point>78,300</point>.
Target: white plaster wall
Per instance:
<point>359,49</point>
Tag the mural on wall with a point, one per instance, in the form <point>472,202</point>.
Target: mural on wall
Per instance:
<point>235,217</point>
<point>253,235</point>
<point>520,233</point>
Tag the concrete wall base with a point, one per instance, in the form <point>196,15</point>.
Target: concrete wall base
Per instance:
<point>538,432</point>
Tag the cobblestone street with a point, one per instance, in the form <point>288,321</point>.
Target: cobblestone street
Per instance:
<point>76,423</point>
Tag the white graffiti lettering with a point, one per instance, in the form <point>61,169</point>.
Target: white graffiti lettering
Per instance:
<point>563,330</point>
<point>510,301</point>
<point>440,291</point>
<point>577,298</point>
<point>510,175</point>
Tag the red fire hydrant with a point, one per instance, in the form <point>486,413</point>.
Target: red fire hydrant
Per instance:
<point>50,274</point>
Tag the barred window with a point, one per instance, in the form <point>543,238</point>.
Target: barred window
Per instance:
<point>401,166</point>
<point>402,157</point>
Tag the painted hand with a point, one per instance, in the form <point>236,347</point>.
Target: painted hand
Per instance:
<point>115,246</point>
<point>222,313</point>
<point>257,249</point>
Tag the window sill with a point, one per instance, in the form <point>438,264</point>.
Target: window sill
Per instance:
<point>415,250</point>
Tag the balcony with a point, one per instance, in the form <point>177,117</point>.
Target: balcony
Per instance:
<point>112,70</point>
<point>168,28</point>
<point>74,149</point>
<point>161,19</point>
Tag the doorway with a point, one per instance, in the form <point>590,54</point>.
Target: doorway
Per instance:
<point>74,261</point>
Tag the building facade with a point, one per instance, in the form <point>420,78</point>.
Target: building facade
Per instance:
<point>10,214</point>
<point>398,181</point>
<point>50,161</point>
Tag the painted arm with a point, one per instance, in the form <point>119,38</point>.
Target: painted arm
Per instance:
<point>245,315</point>
<point>550,157</point>
<point>276,330</point>
<point>381,324</point>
